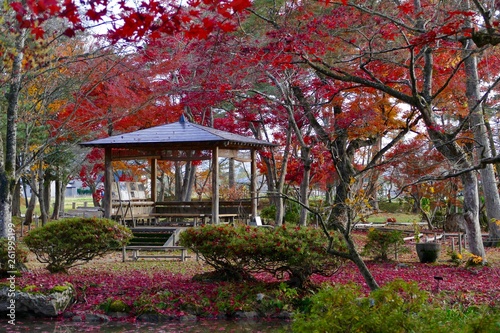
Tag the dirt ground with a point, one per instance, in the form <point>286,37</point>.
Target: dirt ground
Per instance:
<point>492,254</point>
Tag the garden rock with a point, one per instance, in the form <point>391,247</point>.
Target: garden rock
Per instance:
<point>27,303</point>
<point>97,318</point>
<point>246,314</point>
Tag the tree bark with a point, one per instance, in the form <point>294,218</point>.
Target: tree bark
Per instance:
<point>280,206</point>
<point>231,173</point>
<point>305,155</point>
<point>41,196</point>
<point>8,176</point>
<point>16,200</point>
<point>28,217</point>
<point>488,179</point>
<point>57,199</point>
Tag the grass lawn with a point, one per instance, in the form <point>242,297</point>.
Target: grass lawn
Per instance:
<point>78,201</point>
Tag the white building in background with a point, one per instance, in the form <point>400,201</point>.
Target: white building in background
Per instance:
<point>71,189</point>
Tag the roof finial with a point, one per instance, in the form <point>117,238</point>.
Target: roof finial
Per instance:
<point>182,120</point>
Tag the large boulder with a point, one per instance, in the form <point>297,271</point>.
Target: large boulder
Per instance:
<point>26,303</point>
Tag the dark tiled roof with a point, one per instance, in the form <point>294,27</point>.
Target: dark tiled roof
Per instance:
<point>179,135</point>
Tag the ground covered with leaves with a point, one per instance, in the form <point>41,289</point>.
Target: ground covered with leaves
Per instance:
<point>175,289</point>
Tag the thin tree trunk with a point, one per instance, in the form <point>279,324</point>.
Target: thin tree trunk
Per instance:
<point>231,175</point>
<point>304,184</point>
<point>358,261</point>
<point>161,193</point>
<point>57,200</point>
<point>280,206</point>
<point>41,197</point>
<point>178,181</point>
<point>47,195</point>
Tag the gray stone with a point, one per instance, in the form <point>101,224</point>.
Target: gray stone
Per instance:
<point>50,305</point>
<point>284,315</point>
<point>96,318</point>
<point>246,314</point>
<point>118,315</point>
<point>188,318</point>
<point>149,317</point>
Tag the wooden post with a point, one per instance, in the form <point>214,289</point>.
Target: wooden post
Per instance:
<point>253,184</point>
<point>154,172</point>
<point>459,243</point>
<point>215,185</point>
<point>108,181</point>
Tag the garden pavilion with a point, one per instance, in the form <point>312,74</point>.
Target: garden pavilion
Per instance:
<point>179,141</point>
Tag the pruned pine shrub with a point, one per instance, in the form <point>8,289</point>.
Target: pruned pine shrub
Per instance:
<point>238,252</point>
<point>69,242</point>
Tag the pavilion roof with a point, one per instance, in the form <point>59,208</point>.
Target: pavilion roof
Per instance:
<point>181,135</point>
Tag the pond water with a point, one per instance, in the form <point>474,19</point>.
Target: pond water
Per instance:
<point>203,326</point>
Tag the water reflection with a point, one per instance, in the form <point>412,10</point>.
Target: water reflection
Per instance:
<point>203,326</point>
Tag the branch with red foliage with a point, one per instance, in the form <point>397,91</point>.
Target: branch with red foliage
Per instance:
<point>149,18</point>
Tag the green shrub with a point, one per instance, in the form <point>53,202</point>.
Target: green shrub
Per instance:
<point>114,305</point>
<point>13,255</point>
<point>268,212</point>
<point>239,251</point>
<point>380,243</point>
<point>292,212</point>
<point>69,242</point>
<point>396,307</point>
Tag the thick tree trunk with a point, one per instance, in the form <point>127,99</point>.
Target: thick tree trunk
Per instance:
<point>449,148</point>
<point>471,215</point>
<point>16,200</point>
<point>8,177</point>
<point>488,179</point>
<point>456,155</point>
<point>5,205</point>
<point>28,217</point>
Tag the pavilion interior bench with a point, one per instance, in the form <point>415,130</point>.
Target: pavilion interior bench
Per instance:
<point>175,213</point>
